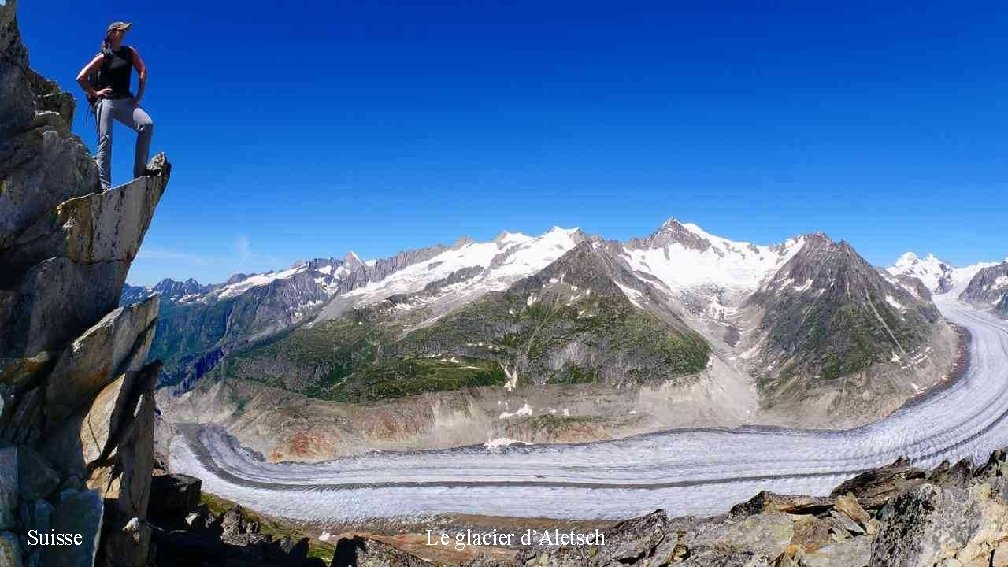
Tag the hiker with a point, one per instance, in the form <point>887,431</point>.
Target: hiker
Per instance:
<point>106,80</point>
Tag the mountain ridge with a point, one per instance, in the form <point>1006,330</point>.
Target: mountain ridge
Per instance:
<point>710,279</point>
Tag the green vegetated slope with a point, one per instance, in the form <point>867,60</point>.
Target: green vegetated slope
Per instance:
<point>829,313</point>
<point>569,323</point>
<point>192,336</point>
<point>183,329</point>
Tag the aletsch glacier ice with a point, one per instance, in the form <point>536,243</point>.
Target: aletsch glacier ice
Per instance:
<point>699,472</point>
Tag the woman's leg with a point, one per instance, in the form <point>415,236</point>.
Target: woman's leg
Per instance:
<point>130,114</point>
<point>103,121</point>
<point>144,127</point>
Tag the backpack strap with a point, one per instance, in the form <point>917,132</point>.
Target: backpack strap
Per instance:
<point>96,77</point>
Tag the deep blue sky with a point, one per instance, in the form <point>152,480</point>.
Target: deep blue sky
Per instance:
<point>307,128</point>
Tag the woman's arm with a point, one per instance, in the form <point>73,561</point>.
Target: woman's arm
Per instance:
<point>82,80</point>
<point>141,73</point>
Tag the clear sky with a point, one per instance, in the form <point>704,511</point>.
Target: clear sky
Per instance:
<point>308,128</point>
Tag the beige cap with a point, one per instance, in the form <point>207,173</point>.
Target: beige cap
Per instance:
<point>118,26</point>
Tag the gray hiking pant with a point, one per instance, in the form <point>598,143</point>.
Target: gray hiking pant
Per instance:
<point>126,111</point>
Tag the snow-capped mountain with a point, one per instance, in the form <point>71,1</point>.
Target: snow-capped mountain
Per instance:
<point>934,273</point>
<point>988,289</point>
<point>938,275</point>
<point>462,273</point>
<point>680,274</point>
<point>200,324</point>
<point>709,274</point>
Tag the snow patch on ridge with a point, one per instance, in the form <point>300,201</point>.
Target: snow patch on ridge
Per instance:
<point>726,263</point>
<point>257,280</point>
<point>505,260</point>
<point>931,270</point>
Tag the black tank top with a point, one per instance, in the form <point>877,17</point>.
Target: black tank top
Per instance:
<point>116,72</point>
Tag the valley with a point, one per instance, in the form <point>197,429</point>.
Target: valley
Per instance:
<point>560,338</point>
<point>700,471</point>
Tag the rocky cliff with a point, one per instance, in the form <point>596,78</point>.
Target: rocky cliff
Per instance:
<point>77,408</point>
<point>989,289</point>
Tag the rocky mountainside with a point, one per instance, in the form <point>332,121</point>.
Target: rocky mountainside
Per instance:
<point>77,404</point>
<point>199,325</point>
<point>833,334</point>
<point>707,283</point>
<point>829,313</point>
<point>989,289</point>
<point>578,320</point>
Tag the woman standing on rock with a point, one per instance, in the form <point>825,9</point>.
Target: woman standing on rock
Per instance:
<point>106,80</point>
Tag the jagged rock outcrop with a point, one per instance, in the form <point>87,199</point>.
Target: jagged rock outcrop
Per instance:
<point>188,533</point>
<point>77,406</point>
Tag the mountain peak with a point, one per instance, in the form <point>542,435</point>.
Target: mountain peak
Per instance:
<point>561,230</point>
<point>818,237</point>
<point>352,261</point>
<point>671,223</point>
<point>674,232</point>
<point>907,259</point>
<point>463,241</point>
<point>936,274</point>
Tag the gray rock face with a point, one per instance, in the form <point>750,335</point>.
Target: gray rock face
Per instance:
<point>8,486</point>
<point>10,550</point>
<point>75,395</point>
<point>672,232</point>
<point>67,271</point>
<point>989,289</point>
<point>41,164</point>
<point>117,344</point>
<point>36,478</point>
<point>76,512</point>
<point>177,494</point>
